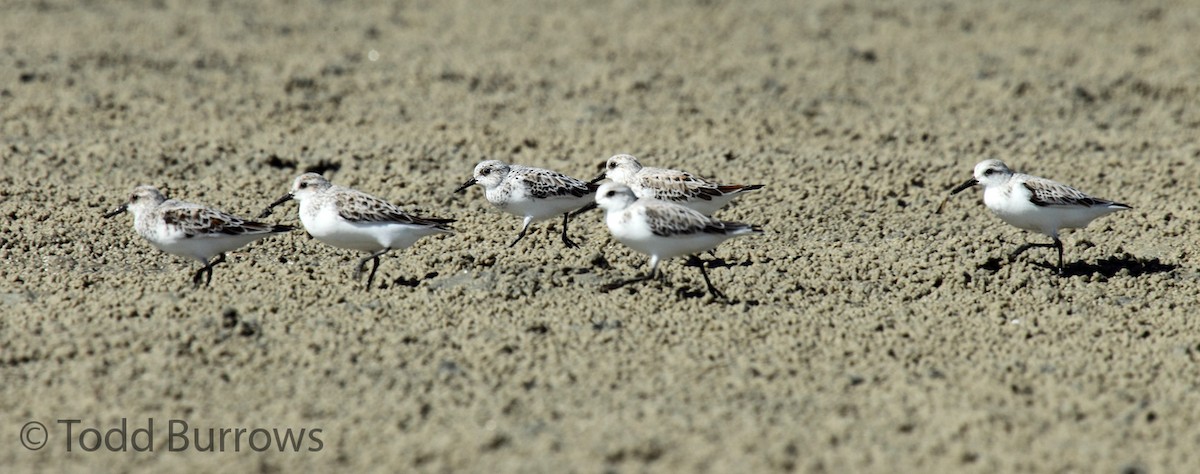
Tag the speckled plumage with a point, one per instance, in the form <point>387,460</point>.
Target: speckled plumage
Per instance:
<point>1044,192</point>
<point>669,221</point>
<point>663,229</point>
<point>1036,204</point>
<point>359,207</point>
<point>670,185</point>
<point>191,230</point>
<point>195,220</point>
<point>535,194</point>
<point>351,219</point>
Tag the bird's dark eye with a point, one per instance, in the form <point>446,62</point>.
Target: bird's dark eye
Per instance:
<point>485,172</point>
<point>611,194</point>
<point>989,172</point>
<point>303,185</point>
<point>612,165</point>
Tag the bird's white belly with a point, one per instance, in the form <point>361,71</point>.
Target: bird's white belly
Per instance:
<point>519,203</point>
<point>1019,212</point>
<point>328,227</point>
<point>201,247</point>
<point>636,234</point>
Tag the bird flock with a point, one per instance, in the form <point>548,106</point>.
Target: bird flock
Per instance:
<point>662,213</point>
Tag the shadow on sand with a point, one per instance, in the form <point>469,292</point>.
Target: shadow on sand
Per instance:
<point>663,282</point>
<point>1112,266</point>
<point>1106,267</point>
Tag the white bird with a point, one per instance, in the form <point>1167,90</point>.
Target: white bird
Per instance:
<point>1036,204</point>
<point>535,194</point>
<point>670,185</point>
<point>351,219</point>
<point>191,230</point>
<point>663,229</point>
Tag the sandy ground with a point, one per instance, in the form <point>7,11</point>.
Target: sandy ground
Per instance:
<point>866,332</point>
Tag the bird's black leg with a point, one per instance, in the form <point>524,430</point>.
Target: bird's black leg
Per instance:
<point>198,277</point>
<point>1058,244</point>
<point>206,271</point>
<point>522,234</point>
<point>375,266</point>
<point>695,261</point>
<point>371,277</point>
<point>567,240</point>
<point>220,259</point>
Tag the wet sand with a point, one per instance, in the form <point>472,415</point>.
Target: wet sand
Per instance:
<point>866,333</point>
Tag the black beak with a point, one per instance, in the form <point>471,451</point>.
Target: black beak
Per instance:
<point>584,209</point>
<point>603,172</point>
<point>116,211</point>
<point>469,183</point>
<point>267,211</point>
<point>961,187</point>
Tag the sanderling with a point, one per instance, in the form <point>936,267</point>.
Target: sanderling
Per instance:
<point>675,186</point>
<point>351,219</point>
<point>191,230</point>
<point>1036,204</point>
<point>664,229</point>
<point>533,193</point>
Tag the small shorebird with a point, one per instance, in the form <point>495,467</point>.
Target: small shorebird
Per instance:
<point>1036,204</point>
<point>675,186</point>
<point>191,230</point>
<point>536,194</point>
<point>351,219</point>
<point>664,230</point>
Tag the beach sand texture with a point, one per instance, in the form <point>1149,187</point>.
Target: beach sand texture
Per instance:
<point>866,333</point>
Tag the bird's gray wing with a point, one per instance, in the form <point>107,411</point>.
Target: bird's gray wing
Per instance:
<point>543,183</point>
<point>1047,193</point>
<point>355,206</point>
<point>195,220</point>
